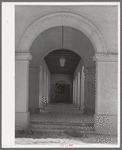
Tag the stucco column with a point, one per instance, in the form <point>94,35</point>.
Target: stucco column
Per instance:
<point>89,90</point>
<point>33,90</point>
<point>45,88</point>
<point>49,99</point>
<point>41,85</point>
<point>76,90</point>
<point>106,93</point>
<point>21,89</point>
<point>73,91</point>
<point>82,89</point>
<point>79,90</point>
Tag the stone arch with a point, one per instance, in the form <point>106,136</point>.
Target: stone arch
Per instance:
<point>65,19</point>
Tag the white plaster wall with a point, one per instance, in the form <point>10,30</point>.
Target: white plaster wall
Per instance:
<point>107,88</point>
<point>103,17</point>
<point>106,109</point>
<point>21,87</point>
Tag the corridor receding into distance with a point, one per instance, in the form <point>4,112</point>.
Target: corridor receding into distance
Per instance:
<point>66,73</point>
<point>65,97</point>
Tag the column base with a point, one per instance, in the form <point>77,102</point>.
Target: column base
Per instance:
<point>78,105</point>
<point>44,101</point>
<point>81,108</point>
<point>106,124</point>
<point>75,104</point>
<point>22,120</point>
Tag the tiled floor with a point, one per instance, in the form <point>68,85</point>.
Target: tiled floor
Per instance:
<point>60,112</point>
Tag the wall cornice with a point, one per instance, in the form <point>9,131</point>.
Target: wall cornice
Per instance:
<point>89,70</point>
<point>105,57</point>
<point>34,69</point>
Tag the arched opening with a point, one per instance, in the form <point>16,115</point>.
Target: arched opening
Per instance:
<point>82,37</point>
<point>46,52</point>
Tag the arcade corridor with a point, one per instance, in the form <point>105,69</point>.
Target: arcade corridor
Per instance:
<point>63,48</point>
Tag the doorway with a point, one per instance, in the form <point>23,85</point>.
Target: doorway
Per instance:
<point>60,92</point>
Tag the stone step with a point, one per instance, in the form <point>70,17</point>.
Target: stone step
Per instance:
<point>60,127</point>
<point>62,130</point>
<point>61,123</point>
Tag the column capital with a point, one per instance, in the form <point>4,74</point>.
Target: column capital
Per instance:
<point>23,56</point>
<point>105,57</point>
<point>89,70</point>
<point>35,69</point>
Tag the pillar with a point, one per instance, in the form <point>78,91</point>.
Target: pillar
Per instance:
<point>22,115</point>
<point>45,87</point>
<point>41,85</point>
<point>33,90</point>
<point>78,90</point>
<point>106,94</point>
<point>89,105</point>
<point>49,99</point>
<point>82,89</point>
<point>73,91</point>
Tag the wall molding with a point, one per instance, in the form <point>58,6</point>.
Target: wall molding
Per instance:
<point>105,57</point>
<point>23,56</point>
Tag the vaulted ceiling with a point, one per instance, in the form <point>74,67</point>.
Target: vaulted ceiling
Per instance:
<point>52,60</point>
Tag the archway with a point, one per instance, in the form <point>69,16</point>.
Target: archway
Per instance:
<point>30,37</point>
<point>65,19</point>
<point>53,20</point>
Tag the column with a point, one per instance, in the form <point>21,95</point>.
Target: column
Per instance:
<point>33,90</point>
<point>41,85</point>
<point>75,90</point>
<point>21,89</point>
<point>78,99</point>
<point>89,105</point>
<point>82,89</point>
<point>106,106</point>
<point>49,100</point>
<point>47,90</point>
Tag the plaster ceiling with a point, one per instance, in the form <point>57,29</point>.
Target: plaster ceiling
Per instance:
<point>52,61</point>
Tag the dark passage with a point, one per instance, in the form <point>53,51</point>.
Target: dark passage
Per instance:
<point>60,93</point>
